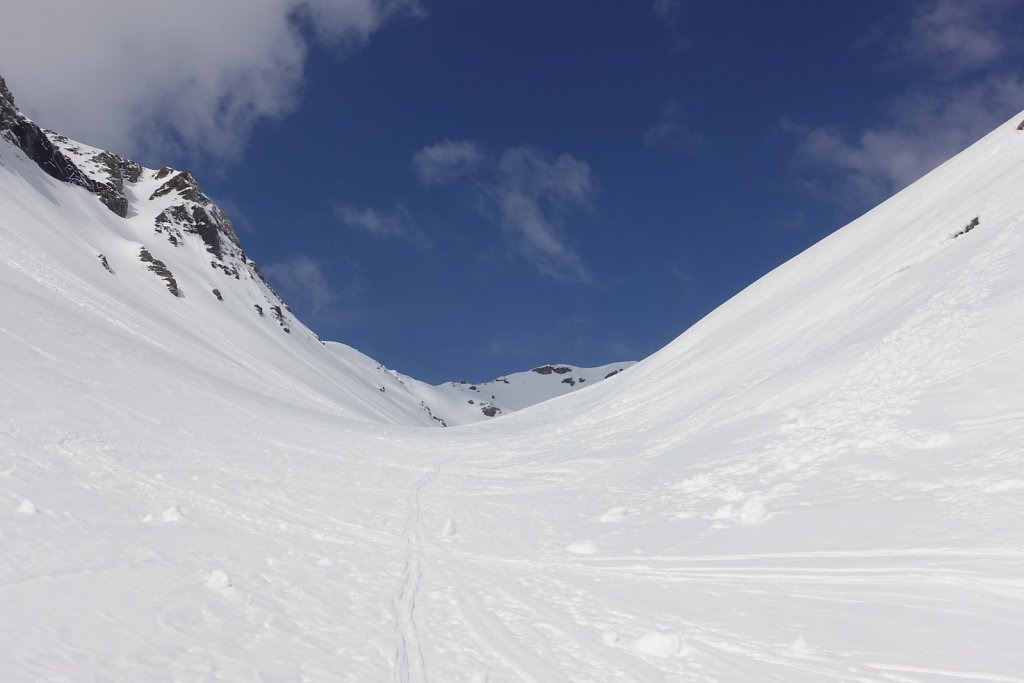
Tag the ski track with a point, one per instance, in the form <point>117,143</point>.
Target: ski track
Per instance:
<point>409,657</point>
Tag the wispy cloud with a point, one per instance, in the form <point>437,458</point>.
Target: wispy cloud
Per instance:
<point>396,224</point>
<point>954,36</point>
<point>526,190</point>
<point>919,132</point>
<point>961,46</point>
<point>446,161</point>
<point>302,279</point>
<point>670,130</point>
<point>184,78</point>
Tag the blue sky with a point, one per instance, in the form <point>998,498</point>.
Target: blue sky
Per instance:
<point>464,189</point>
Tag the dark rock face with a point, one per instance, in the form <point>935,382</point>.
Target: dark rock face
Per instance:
<point>184,208</point>
<point>613,373</point>
<point>119,170</point>
<point>548,369</point>
<point>975,222</point>
<point>35,143</point>
<point>160,268</point>
<point>106,264</point>
<point>489,410</point>
<point>5,92</point>
<point>1021,126</point>
<point>197,215</point>
<point>570,381</point>
<point>31,139</point>
<point>279,317</point>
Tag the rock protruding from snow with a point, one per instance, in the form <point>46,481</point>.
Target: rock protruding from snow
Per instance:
<point>520,390</point>
<point>160,268</point>
<point>32,140</point>
<point>195,213</point>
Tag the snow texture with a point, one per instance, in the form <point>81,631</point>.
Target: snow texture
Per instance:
<point>821,480</point>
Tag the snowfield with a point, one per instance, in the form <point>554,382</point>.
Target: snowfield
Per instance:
<point>822,480</point>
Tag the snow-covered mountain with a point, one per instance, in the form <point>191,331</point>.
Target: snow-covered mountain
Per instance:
<point>524,389</point>
<point>821,480</point>
<point>165,250</point>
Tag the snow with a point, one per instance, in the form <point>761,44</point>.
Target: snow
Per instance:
<point>819,481</point>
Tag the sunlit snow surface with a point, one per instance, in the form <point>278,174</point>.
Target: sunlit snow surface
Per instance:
<point>823,480</point>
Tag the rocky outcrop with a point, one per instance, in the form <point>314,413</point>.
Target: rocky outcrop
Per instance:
<point>31,140</point>
<point>548,369</point>
<point>975,222</point>
<point>160,268</point>
<point>182,208</point>
<point>195,214</point>
<point>40,146</point>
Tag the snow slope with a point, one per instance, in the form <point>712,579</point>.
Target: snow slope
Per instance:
<point>166,260</point>
<point>524,389</point>
<point>822,480</point>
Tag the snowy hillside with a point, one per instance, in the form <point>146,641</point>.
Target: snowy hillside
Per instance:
<point>524,389</point>
<point>150,250</point>
<point>819,481</point>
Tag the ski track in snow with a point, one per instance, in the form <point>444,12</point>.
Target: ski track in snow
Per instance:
<point>409,661</point>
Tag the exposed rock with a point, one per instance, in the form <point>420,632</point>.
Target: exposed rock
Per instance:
<point>279,317</point>
<point>433,417</point>
<point>5,93</point>
<point>489,410</point>
<point>1021,126</point>
<point>31,139</point>
<point>967,228</point>
<point>160,268</point>
<point>119,170</point>
<point>570,381</point>
<point>216,293</point>
<point>196,214</point>
<point>613,373</point>
<point>259,309</point>
<point>106,264</point>
<point>548,369</point>
<point>38,146</point>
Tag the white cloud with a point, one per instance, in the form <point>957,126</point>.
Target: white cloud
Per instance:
<point>302,278</point>
<point>445,161</point>
<point>190,76</point>
<point>525,190</point>
<point>921,131</point>
<point>953,36</point>
<point>396,224</point>
<point>670,129</point>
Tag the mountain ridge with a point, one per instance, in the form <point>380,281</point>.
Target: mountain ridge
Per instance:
<point>177,232</point>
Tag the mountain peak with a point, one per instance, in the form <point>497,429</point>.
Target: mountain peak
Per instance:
<point>5,94</point>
